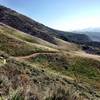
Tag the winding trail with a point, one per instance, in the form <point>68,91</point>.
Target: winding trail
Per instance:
<point>35,54</point>
<point>80,53</point>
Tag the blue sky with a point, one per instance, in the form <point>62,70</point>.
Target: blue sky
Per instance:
<point>59,14</point>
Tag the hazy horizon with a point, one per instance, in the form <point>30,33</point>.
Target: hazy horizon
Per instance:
<point>64,15</point>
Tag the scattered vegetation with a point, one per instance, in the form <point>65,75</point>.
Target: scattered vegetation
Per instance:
<point>53,61</point>
<point>86,67</point>
<point>16,47</point>
<point>16,33</point>
<point>43,67</point>
<point>20,80</point>
<point>81,69</point>
<point>62,94</point>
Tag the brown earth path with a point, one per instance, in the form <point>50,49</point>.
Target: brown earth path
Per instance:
<point>79,53</point>
<point>35,54</point>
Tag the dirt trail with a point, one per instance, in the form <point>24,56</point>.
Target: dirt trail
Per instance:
<point>79,53</point>
<point>35,54</point>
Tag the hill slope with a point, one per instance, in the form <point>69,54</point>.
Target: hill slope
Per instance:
<point>34,28</point>
<point>35,68</point>
<point>20,80</point>
<point>17,43</point>
<point>32,66</point>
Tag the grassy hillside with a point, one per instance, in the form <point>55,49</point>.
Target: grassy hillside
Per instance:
<point>9,31</point>
<point>23,36</point>
<point>23,23</point>
<point>67,46</point>
<point>20,80</point>
<point>38,68</point>
<point>16,44</point>
<point>29,26</point>
<point>45,68</point>
<point>85,68</point>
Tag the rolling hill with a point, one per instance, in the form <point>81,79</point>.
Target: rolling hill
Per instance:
<point>40,63</point>
<point>27,25</point>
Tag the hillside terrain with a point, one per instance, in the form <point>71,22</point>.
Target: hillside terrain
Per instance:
<point>34,28</point>
<point>40,63</point>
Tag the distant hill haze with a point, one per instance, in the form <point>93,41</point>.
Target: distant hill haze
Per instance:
<point>93,33</point>
<point>95,36</point>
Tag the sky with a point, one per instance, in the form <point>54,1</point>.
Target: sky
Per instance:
<point>64,15</point>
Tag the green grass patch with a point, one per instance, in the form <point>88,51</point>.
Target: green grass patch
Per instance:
<point>17,34</point>
<point>84,68</point>
<point>54,61</point>
<point>16,47</point>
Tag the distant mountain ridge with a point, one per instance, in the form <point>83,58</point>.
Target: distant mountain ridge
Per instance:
<point>95,36</point>
<point>93,29</point>
<point>93,33</point>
